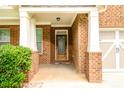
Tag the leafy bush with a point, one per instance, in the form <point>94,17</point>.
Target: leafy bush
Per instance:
<point>15,61</point>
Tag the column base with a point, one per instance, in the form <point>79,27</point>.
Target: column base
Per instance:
<point>94,67</point>
<point>34,66</point>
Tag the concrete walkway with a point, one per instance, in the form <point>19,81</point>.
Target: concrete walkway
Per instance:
<point>59,75</point>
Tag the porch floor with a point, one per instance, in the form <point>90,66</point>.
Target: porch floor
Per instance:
<point>60,75</point>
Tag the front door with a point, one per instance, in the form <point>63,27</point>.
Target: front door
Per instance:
<point>61,46</point>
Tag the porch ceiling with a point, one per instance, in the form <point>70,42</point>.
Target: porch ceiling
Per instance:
<point>66,19</point>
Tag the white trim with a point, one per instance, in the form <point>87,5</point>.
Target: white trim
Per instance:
<point>93,32</point>
<point>111,29</point>
<point>117,47</point>
<point>107,41</point>
<point>9,18</point>
<point>33,34</point>
<point>58,9</point>
<point>122,40</point>
<point>25,32</point>
<point>37,23</point>
<point>67,42</point>
<point>60,25</point>
<point>6,7</point>
<point>9,23</point>
<point>17,23</point>
<point>43,23</point>
<point>113,70</point>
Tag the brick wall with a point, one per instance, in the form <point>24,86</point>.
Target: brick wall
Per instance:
<point>79,41</point>
<point>75,52</point>
<point>45,57</point>
<point>83,40</point>
<point>113,17</point>
<point>14,33</point>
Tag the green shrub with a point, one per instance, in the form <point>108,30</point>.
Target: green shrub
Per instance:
<point>15,61</point>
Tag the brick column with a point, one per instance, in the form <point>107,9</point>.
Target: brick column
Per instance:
<point>94,67</point>
<point>94,62</point>
<point>34,66</point>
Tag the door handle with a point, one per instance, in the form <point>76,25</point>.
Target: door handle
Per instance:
<point>117,50</point>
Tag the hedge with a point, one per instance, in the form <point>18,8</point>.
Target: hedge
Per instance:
<point>15,61</point>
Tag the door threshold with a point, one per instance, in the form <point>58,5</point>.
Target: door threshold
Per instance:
<point>62,62</point>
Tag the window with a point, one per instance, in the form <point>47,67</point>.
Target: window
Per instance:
<point>39,39</point>
<point>4,36</point>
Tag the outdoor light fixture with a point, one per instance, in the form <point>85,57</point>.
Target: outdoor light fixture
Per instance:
<point>58,18</point>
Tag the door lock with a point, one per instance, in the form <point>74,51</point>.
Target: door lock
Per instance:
<point>117,50</point>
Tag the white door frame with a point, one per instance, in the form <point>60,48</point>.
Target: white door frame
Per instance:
<point>117,43</point>
<point>56,33</point>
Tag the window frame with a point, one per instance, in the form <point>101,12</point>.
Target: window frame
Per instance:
<point>9,36</point>
<point>41,51</point>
